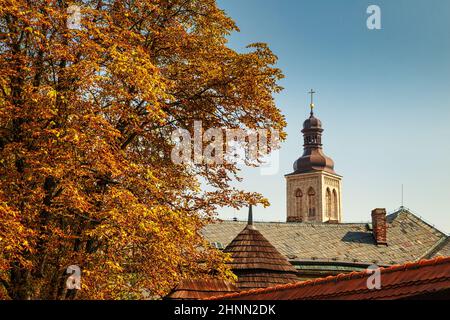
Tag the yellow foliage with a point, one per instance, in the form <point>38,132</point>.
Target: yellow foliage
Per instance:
<point>86,117</point>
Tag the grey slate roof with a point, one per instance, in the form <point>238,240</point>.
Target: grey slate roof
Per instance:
<point>443,249</point>
<point>409,239</point>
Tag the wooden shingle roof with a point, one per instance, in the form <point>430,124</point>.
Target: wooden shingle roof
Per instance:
<point>196,289</point>
<point>256,262</point>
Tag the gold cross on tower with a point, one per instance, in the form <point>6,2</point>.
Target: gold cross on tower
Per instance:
<point>312,100</point>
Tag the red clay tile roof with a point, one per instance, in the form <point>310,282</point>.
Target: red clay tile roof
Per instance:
<point>196,289</point>
<point>408,280</point>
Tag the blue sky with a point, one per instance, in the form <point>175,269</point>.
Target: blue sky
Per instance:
<point>383,97</point>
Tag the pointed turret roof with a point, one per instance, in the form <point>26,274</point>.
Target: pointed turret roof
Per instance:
<point>196,289</point>
<point>256,262</point>
<point>313,158</point>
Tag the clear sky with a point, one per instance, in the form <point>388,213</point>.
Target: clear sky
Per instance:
<point>383,98</point>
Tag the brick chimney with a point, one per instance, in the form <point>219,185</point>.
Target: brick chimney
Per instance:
<point>379,226</point>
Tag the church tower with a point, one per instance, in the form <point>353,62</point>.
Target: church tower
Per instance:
<point>314,188</point>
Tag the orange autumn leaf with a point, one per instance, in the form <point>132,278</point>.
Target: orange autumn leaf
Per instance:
<point>86,116</point>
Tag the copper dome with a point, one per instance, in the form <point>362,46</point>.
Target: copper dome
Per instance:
<point>314,161</point>
<point>313,158</point>
<point>312,123</point>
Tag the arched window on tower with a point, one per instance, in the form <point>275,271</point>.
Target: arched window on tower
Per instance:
<point>299,204</point>
<point>335,205</point>
<point>311,203</point>
<point>328,203</point>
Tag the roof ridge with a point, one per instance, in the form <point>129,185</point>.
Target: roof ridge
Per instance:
<point>441,243</point>
<point>306,223</point>
<point>417,217</point>
<point>385,287</point>
<point>339,277</point>
<point>361,223</point>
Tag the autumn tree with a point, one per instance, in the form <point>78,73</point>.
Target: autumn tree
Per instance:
<point>86,115</point>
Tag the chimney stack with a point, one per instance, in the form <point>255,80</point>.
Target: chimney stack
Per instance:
<point>379,226</point>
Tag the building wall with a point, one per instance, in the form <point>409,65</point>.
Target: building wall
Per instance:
<point>300,199</point>
<point>333,183</point>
